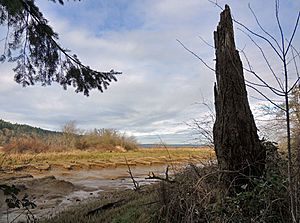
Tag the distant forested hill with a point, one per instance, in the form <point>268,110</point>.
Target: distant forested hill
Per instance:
<point>9,130</point>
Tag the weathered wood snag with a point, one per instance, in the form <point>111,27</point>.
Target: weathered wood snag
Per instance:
<point>238,149</point>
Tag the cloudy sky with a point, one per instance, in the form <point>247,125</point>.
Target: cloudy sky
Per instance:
<point>161,85</point>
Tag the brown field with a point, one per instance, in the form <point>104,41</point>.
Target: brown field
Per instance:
<point>77,159</point>
<point>37,173</point>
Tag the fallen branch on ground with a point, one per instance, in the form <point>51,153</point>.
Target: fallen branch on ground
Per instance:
<point>105,207</point>
<point>153,176</point>
<point>136,185</point>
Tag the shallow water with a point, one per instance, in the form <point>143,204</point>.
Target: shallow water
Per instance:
<point>108,178</point>
<point>88,184</point>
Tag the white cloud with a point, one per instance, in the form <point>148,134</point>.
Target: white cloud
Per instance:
<point>160,80</point>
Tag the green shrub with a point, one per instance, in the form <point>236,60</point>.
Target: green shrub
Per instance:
<point>266,201</point>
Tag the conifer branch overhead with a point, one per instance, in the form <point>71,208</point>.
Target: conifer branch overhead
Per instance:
<point>32,44</point>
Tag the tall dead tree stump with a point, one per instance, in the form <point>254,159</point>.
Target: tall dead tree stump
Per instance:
<point>239,152</point>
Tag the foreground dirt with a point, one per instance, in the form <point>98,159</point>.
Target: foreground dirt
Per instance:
<point>55,190</point>
<point>46,192</point>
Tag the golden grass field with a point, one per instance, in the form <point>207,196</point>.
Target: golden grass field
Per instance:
<point>77,159</point>
<point>19,167</point>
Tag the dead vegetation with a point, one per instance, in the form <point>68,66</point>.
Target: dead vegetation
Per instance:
<point>119,206</point>
<point>193,195</point>
<point>196,196</point>
<point>98,139</point>
<point>94,159</point>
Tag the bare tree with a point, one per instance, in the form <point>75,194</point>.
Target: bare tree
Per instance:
<point>202,127</point>
<point>70,133</point>
<point>286,78</point>
<point>239,152</point>
<point>286,55</point>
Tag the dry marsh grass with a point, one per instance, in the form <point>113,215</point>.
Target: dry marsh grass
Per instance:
<point>83,159</point>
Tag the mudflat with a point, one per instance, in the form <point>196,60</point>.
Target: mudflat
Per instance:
<point>54,181</point>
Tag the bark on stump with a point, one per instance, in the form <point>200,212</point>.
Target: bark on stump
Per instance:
<point>239,152</point>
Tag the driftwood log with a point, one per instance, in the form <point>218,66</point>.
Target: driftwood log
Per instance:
<point>239,152</point>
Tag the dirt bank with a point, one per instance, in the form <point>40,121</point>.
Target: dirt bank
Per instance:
<point>46,192</point>
<point>55,190</point>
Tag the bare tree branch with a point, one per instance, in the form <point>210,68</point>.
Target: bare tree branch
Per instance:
<point>136,185</point>
<point>274,90</point>
<point>265,58</point>
<point>195,55</point>
<point>280,28</point>
<point>294,85</point>
<point>252,32</point>
<point>152,176</point>
<point>265,97</point>
<point>216,4</point>
<point>294,31</point>
<point>294,58</point>
<point>260,26</point>
<point>207,43</point>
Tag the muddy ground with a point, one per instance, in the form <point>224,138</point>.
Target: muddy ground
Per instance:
<point>55,190</point>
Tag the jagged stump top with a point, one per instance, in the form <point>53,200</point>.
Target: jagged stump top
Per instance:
<point>236,141</point>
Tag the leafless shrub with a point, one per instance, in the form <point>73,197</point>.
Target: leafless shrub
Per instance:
<point>202,127</point>
<point>196,197</point>
<point>187,198</point>
<point>106,139</point>
<point>26,144</point>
